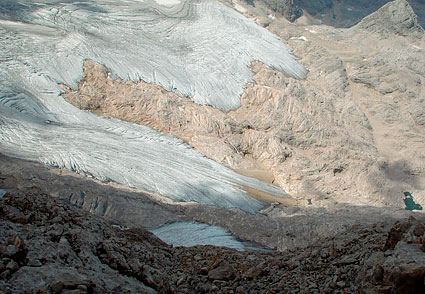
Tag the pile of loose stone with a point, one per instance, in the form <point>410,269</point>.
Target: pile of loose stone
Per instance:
<point>47,246</point>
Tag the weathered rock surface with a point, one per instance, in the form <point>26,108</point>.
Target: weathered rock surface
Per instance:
<point>396,17</point>
<point>64,250</point>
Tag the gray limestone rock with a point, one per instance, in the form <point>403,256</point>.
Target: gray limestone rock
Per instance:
<point>396,17</point>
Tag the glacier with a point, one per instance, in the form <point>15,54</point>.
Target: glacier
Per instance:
<point>198,49</point>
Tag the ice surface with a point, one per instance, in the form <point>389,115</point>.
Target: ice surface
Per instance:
<point>190,234</point>
<point>202,50</point>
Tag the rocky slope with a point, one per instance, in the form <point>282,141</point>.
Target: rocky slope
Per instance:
<point>46,246</point>
<point>350,132</point>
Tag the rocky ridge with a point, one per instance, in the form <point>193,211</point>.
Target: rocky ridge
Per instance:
<point>397,18</point>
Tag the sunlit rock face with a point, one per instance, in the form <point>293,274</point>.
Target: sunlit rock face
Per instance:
<point>198,49</point>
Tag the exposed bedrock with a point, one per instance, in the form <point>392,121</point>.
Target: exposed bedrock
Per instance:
<point>396,17</point>
<point>382,86</point>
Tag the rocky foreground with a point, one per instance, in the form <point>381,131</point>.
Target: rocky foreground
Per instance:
<point>48,246</point>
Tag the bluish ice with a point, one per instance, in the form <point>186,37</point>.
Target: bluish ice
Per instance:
<point>190,234</point>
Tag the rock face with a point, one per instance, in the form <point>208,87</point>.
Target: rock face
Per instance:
<point>396,17</point>
<point>47,246</point>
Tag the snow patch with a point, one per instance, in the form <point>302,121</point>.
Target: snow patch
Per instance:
<point>168,3</point>
<point>302,38</point>
<point>239,7</point>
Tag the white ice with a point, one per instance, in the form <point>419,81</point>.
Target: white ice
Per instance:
<point>201,50</point>
<point>168,3</point>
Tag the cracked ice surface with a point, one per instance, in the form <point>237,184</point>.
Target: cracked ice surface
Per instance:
<point>200,49</point>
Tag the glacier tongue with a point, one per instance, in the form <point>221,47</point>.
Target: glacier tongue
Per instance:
<point>201,50</point>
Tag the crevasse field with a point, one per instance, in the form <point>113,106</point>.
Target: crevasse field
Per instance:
<point>199,49</point>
